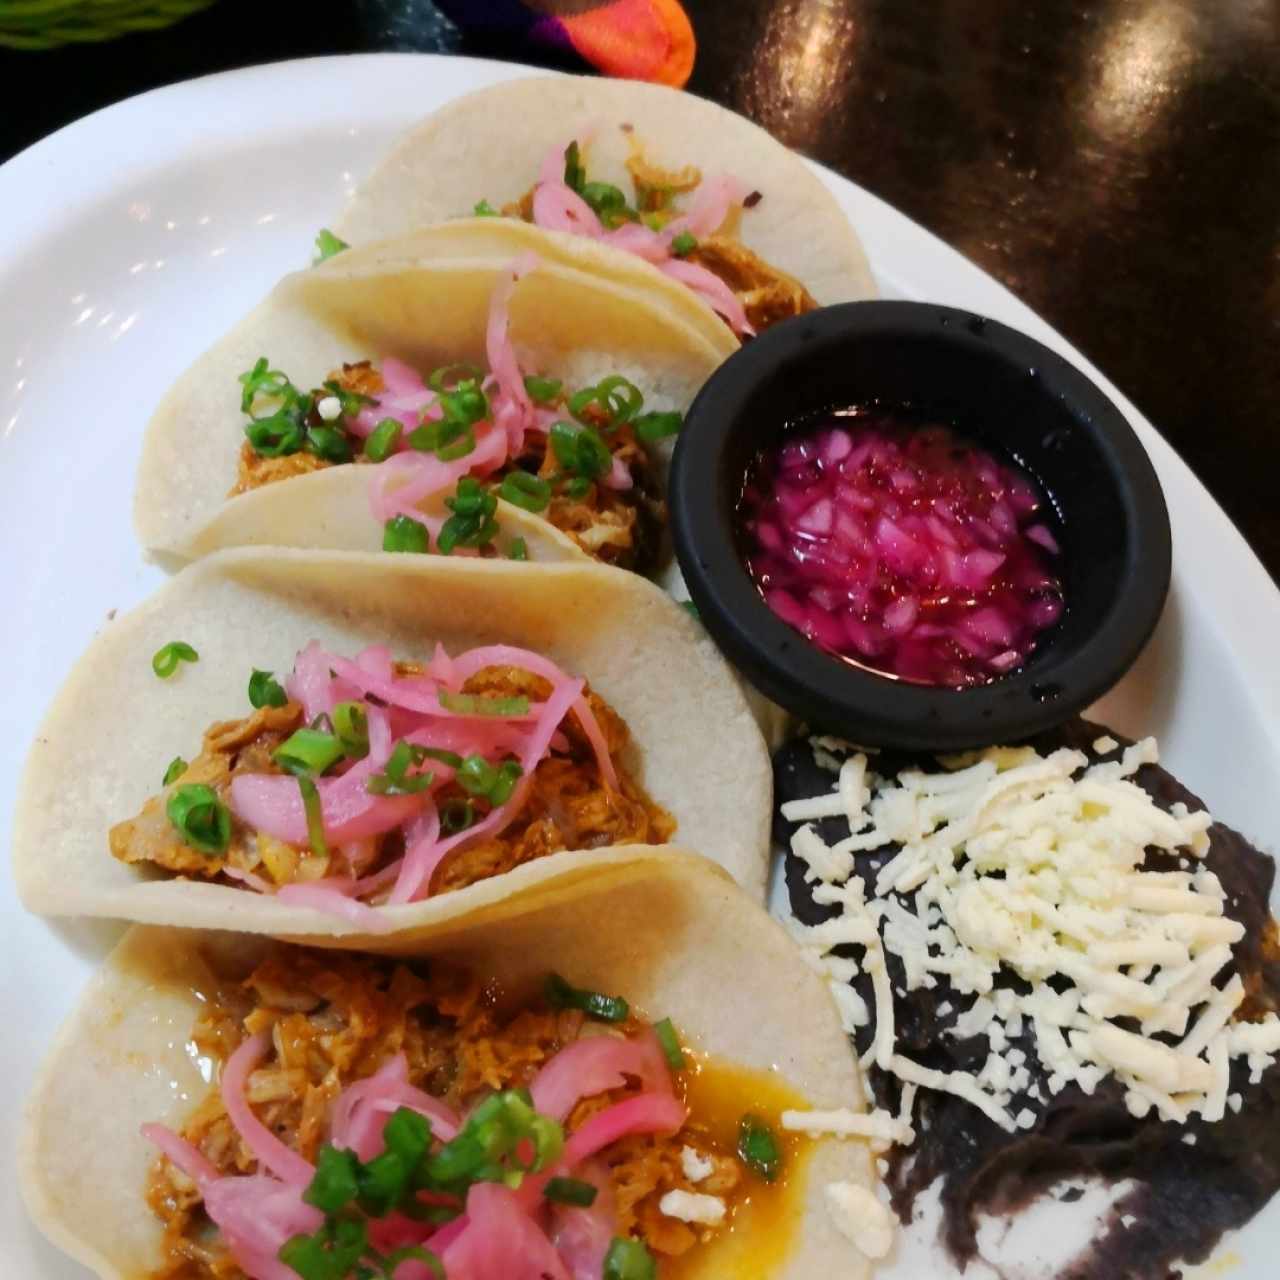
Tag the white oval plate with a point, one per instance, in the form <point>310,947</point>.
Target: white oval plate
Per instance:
<point>136,236</point>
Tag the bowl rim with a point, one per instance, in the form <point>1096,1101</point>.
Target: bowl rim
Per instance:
<point>878,710</point>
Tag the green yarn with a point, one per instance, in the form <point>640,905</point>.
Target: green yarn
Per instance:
<point>46,24</point>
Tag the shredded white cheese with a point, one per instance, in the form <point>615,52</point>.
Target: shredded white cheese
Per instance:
<point>1015,864</point>
<point>861,1218</point>
<point>690,1206</point>
<point>696,1167</point>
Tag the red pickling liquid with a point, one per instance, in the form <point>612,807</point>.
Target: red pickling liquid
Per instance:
<point>903,548</point>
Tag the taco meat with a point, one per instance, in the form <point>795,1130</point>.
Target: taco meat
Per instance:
<point>335,1019</point>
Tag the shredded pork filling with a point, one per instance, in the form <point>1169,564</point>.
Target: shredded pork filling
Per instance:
<point>568,806</point>
<point>622,527</point>
<point>335,1019</point>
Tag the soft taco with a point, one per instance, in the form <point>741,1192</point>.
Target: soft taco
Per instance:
<point>346,745</point>
<point>636,180</point>
<point>466,397</point>
<point>529,1099</point>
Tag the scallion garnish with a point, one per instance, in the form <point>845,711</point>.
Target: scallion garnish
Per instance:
<point>670,1044</point>
<point>177,767</point>
<point>691,609</point>
<point>396,780</point>
<point>457,815</point>
<point>201,819</point>
<point>571,1191</point>
<point>560,995</point>
<point>265,690</point>
<point>451,758</point>
<point>349,402</point>
<point>580,450</point>
<point>608,202</point>
<point>578,487</point>
<point>351,725</point>
<point>327,244</point>
<point>483,209</point>
<point>684,244</point>
<point>166,659</point>
<point>332,1253</point>
<point>542,390</point>
<point>758,1147</point>
<point>404,533</point>
<point>518,550</point>
<point>334,1185</point>
<point>629,1260</point>
<point>464,444</point>
<point>522,489</point>
<point>383,440</point>
<point>472,523</point>
<point>609,403</point>
<point>449,377</point>
<point>308,751</point>
<point>480,704</point>
<point>276,435</point>
<point>574,174</point>
<point>262,380</point>
<point>329,443</point>
<point>494,783</point>
<point>652,427</point>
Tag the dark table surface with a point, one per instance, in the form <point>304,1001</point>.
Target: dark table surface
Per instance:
<point>1116,163</point>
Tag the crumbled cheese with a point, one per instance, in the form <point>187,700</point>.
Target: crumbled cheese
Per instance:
<point>696,1167</point>
<point>691,1206</point>
<point>861,1218</point>
<point>329,408</point>
<point>880,1126</point>
<point>1010,863</point>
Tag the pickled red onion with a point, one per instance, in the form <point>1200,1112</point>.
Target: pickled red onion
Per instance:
<point>354,1123</point>
<point>181,1153</point>
<point>272,1154</point>
<point>594,1065</point>
<point>712,290</point>
<point>501,1241</point>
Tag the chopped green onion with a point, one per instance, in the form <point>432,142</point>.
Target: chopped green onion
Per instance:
<point>463,445</point>
<point>327,244</point>
<point>607,200</point>
<point>652,427</point>
<point>457,815</point>
<point>472,524</point>
<point>448,377</point>
<point>276,436</point>
<point>202,820</point>
<point>483,209</point>
<point>396,780</point>
<point>262,380</point>
<point>334,1185</point>
<point>629,1260</point>
<point>611,402</point>
<point>684,244</point>
<point>265,690</point>
<point>451,758</point>
<point>177,767</point>
<point>574,175</point>
<point>521,489</point>
<point>670,1044</point>
<point>560,995</point>
<point>542,390</point>
<point>323,722</point>
<point>308,751</point>
<point>387,1178</point>
<point>578,487</point>
<point>332,1253</point>
<point>580,450</point>
<point>419,1253</point>
<point>494,782</point>
<point>351,725</point>
<point>166,659</point>
<point>571,1191</point>
<point>466,403</point>
<point>479,704</point>
<point>404,533</point>
<point>329,443</point>
<point>518,550</point>
<point>758,1148</point>
<point>691,609</point>
<point>383,440</point>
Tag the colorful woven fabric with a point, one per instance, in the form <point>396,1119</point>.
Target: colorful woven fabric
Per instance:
<point>631,39</point>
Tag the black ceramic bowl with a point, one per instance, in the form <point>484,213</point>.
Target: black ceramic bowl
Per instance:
<point>994,384</point>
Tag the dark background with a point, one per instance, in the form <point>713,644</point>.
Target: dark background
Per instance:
<point>1115,163</point>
